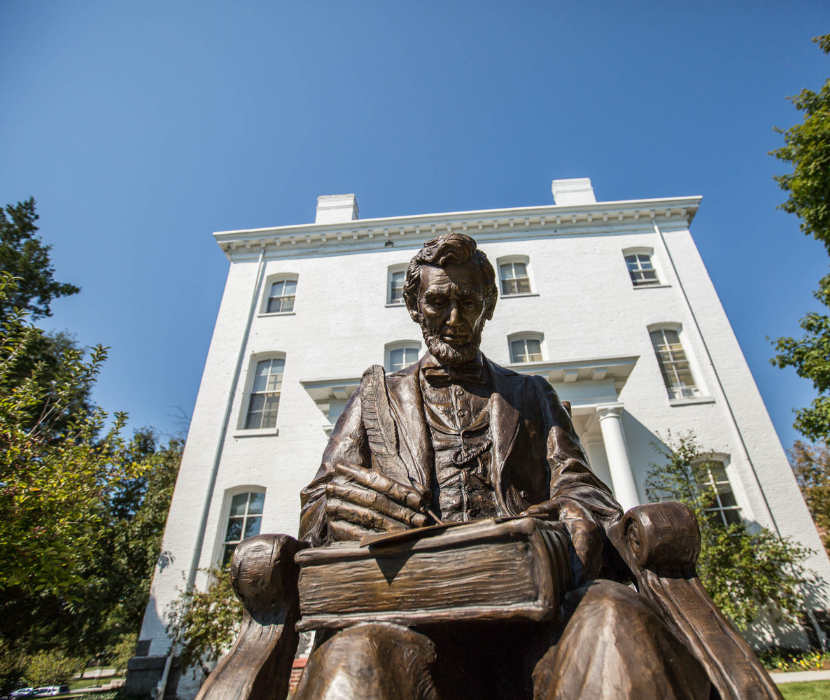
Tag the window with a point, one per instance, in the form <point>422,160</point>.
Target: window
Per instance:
<point>674,366</point>
<point>244,520</point>
<point>396,281</point>
<point>526,350</point>
<point>281,297</point>
<point>514,279</point>
<point>398,358</point>
<point>711,475</point>
<point>265,394</point>
<point>641,270</point>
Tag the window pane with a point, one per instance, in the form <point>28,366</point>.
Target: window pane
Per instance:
<point>252,526</point>
<point>269,415</point>
<point>509,287</point>
<point>519,270</point>
<point>534,350</point>
<point>506,271</point>
<point>517,349</point>
<point>228,554</point>
<point>234,532</point>
<point>256,503</point>
<point>276,289</point>
<point>274,305</point>
<point>718,472</point>
<point>396,359</point>
<point>396,287</point>
<point>290,287</point>
<point>238,504</point>
<point>287,305</point>
<point>523,286</point>
<point>732,517</point>
<point>411,356</point>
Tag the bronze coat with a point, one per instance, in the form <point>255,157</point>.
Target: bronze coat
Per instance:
<point>537,454</point>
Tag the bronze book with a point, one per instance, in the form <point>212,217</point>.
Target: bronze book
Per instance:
<point>504,569</point>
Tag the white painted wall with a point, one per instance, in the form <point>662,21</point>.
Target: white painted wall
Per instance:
<point>583,302</point>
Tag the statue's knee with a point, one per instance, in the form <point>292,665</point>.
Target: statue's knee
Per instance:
<point>376,661</point>
<point>607,603</point>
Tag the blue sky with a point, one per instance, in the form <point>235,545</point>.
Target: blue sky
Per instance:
<point>141,128</point>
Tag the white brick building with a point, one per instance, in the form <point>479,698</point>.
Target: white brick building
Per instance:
<point>589,291</point>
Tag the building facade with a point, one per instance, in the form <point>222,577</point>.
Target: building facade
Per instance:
<point>609,301</point>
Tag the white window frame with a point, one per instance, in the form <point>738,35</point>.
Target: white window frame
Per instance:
<point>270,281</point>
<point>225,513</point>
<point>655,264</point>
<point>701,395</point>
<point>397,345</point>
<point>241,431</point>
<point>390,271</point>
<point>526,335</point>
<point>508,259</point>
<point>719,508</point>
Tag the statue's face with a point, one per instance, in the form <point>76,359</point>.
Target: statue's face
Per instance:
<point>451,302</point>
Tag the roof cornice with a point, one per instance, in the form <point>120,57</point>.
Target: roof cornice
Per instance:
<point>577,218</point>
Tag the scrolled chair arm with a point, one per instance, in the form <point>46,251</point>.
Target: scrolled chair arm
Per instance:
<point>258,666</point>
<point>660,543</point>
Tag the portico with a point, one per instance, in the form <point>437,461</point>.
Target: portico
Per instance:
<point>592,389</point>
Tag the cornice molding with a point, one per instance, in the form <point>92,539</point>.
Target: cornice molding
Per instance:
<point>490,224</point>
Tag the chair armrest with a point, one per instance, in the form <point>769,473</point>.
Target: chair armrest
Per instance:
<point>660,542</point>
<point>258,666</point>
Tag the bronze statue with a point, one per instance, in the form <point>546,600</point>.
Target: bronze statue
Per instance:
<point>455,439</point>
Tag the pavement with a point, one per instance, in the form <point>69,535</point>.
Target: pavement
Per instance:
<point>800,676</point>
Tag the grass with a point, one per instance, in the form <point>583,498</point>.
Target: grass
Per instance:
<point>812,690</point>
<point>91,682</point>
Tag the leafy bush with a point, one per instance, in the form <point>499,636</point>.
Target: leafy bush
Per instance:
<point>743,570</point>
<point>51,668</point>
<point>123,651</point>
<point>781,659</point>
<point>205,623</point>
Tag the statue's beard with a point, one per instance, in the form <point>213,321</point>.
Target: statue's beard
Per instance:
<point>452,355</point>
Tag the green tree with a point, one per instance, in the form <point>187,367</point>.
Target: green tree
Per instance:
<point>807,149</point>
<point>744,570</point>
<point>24,256</point>
<point>205,623</point>
<point>811,465</point>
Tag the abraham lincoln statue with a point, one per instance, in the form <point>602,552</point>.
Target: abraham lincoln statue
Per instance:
<point>479,441</point>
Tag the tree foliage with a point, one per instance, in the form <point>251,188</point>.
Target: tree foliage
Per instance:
<point>743,569</point>
<point>24,256</point>
<point>82,510</point>
<point>807,149</point>
<point>205,623</point>
<point>811,464</point>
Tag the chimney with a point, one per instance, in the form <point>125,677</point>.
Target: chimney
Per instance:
<point>577,190</point>
<point>336,208</point>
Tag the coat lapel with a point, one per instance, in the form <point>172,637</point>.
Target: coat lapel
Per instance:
<point>507,403</point>
<point>407,405</point>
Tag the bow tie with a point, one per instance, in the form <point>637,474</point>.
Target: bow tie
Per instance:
<point>472,373</point>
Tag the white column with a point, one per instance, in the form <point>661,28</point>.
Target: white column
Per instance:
<point>610,423</point>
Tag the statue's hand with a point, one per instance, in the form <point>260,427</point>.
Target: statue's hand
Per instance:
<point>362,502</point>
<point>586,535</point>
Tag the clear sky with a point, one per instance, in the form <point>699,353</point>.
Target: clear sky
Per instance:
<point>142,127</point>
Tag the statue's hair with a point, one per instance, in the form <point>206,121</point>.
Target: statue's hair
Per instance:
<point>450,249</point>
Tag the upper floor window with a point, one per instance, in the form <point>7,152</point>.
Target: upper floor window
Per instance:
<point>514,278</point>
<point>526,349</point>
<point>711,475</point>
<point>265,394</point>
<point>401,356</point>
<point>641,269</point>
<point>394,284</point>
<point>281,297</point>
<point>674,365</point>
<point>244,520</point>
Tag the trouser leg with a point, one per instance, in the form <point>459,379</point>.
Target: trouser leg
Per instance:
<point>370,662</point>
<point>616,645</point>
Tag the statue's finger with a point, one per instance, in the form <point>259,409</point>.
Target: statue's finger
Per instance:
<point>377,502</point>
<point>347,532</point>
<point>398,492</point>
<point>371,520</point>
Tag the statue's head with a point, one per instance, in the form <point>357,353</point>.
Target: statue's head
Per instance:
<point>450,291</point>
